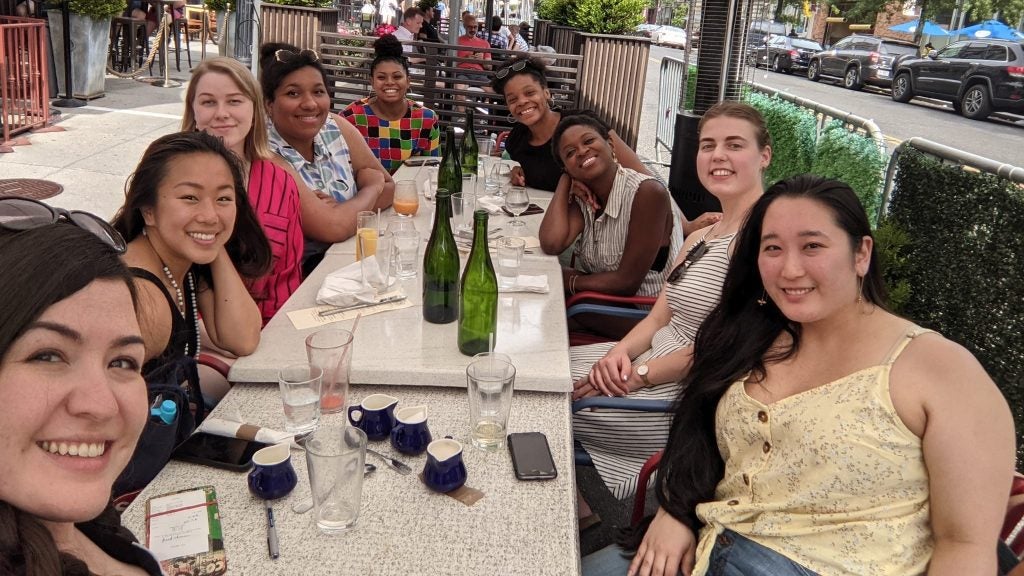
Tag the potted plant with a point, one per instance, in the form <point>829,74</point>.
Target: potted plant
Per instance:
<point>298,22</point>
<point>90,37</point>
<point>224,10</point>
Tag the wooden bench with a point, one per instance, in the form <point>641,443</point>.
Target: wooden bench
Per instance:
<point>347,61</point>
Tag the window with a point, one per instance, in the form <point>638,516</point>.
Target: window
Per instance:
<point>974,51</point>
<point>996,53</point>
<point>952,51</point>
<point>843,44</point>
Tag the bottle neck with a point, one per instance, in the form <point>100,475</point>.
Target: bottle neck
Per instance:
<point>480,230</point>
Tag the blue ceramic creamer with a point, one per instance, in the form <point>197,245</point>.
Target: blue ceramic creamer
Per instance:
<point>444,470</point>
<point>272,475</point>
<point>411,435</point>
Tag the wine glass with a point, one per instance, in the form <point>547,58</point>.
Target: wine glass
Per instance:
<point>407,199</point>
<point>517,200</point>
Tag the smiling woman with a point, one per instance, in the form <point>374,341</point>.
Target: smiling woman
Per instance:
<point>394,127</point>
<point>72,399</point>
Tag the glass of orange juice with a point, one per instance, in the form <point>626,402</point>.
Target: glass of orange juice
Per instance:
<point>366,227</point>
<point>407,200</point>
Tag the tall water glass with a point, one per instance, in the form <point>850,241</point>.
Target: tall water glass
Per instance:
<point>490,379</point>
<point>407,248</point>
<point>300,394</point>
<point>377,270</point>
<point>335,457</point>
<point>430,184</point>
<point>330,349</point>
<point>463,206</point>
<point>366,228</point>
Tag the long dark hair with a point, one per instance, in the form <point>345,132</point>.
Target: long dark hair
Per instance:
<point>42,267</point>
<point>737,338</point>
<point>274,70</point>
<point>248,246</point>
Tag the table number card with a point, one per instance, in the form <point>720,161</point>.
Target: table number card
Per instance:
<point>183,531</point>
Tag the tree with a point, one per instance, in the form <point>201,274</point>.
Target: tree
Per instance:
<point>607,16</point>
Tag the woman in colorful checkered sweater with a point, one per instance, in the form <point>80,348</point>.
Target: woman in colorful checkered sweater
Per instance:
<point>394,127</point>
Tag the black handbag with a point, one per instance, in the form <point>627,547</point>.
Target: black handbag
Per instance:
<point>177,381</point>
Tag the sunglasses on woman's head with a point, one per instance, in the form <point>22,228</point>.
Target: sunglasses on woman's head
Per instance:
<point>20,214</point>
<point>514,67</point>
<point>285,55</point>
<point>699,249</point>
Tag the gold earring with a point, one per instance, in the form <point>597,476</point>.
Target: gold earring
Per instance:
<point>763,299</point>
<point>860,289</point>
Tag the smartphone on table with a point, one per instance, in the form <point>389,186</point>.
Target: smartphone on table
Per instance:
<point>218,451</point>
<point>531,456</point>
<point>422,161</point>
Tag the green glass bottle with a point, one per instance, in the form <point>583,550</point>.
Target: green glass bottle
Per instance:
<point>449,176</point>
<point>478,310</point>
<point>441,266</point>
<point>470,149</point>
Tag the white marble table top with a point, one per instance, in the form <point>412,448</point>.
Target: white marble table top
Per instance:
<point>399,348</point>
<point>519,527</point>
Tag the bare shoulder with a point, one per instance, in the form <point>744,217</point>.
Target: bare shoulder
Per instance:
<point>940,361</point>
<point>154,316</point>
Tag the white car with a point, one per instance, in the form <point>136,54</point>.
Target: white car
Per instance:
<point>669,36</point>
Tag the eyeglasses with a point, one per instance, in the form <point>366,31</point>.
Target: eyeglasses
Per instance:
<point>514,67</point>
<point>285,55</point>
<point>699,249</point>
<point>20,214</point>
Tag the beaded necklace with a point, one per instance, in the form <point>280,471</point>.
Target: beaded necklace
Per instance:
<point>181,302</point>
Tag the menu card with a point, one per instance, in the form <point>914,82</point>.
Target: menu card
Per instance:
<point>183,532</point>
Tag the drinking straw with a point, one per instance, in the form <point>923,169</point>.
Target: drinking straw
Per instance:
<point>379,232</point>
<point>355,324</point>
<point>490,352</point>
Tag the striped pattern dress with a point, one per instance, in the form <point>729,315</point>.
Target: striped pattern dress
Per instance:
<point>603,241</point>
<point>620,441</point>
<point>275,200</point>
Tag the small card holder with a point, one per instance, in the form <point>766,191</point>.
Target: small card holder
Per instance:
<point>531,209</point>
<point>183,531</point>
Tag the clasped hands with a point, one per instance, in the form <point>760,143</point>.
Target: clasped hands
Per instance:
<point>612,375</point>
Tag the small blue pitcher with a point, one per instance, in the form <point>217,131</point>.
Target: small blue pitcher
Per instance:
<point>375,415</point>
<point>444,470</point>
<point>411,435</point>
<point>272,475</point>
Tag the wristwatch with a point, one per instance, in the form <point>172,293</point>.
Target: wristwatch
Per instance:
<point>642,371</point>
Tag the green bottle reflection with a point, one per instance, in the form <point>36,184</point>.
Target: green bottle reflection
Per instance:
<point>449,176</point>
<point>470,149</point>
<point>478,311</point>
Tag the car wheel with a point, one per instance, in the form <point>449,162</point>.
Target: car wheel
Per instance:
<point>776,65</point>
<point>813,71</point>
<point>976,103</point>
<point>852,78</point>
<point>901,90</point>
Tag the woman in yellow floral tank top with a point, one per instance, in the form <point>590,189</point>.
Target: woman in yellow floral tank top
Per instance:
<point>817,432</point>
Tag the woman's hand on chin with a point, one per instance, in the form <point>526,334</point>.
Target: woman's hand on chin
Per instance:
<point>585,196</point>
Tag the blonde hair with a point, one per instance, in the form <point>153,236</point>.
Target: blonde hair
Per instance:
<point>256,145</point>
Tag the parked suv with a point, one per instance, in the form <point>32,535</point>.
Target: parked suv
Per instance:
<point>860,59</point>
<point>978,76</point>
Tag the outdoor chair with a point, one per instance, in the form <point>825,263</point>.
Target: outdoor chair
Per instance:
<point>590,302</point>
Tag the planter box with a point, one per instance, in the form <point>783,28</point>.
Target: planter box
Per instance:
<point>90,39</point>
<point>297,25</point>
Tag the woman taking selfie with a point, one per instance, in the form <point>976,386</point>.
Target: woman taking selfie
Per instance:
<point>648,363</point>
<point>72,398</point>
<point>393,126</point>
<point>817,432</point>
<point>192,238</point>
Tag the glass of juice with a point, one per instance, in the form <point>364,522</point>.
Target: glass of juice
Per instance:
<point>407,200</point>
<point>366,227</point>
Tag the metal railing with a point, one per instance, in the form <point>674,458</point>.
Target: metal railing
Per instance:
<point>670,84</point>
<point>616,97</point>
<point>944,153</point>
<point>24,76</point>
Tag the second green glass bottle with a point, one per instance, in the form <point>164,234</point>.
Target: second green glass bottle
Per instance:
<point>478,308</point>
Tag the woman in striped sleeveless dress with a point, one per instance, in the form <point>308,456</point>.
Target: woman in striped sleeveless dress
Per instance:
<point>649,361</point>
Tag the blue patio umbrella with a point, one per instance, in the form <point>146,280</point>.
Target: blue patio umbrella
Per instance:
<point>989,29</point>
<point>930,28</point>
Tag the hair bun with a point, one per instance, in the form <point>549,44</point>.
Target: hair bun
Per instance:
<point>388,46</point>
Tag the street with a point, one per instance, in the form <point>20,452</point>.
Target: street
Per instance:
<point>997,139</point>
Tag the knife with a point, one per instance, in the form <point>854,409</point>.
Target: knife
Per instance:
<point>332,312</point>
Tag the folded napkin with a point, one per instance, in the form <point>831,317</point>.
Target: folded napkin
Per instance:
<point>524,283</point>
<point>492,204</point>
<point>345,287</point>
<point>231,429</point>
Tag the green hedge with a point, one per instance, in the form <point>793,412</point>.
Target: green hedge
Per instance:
<point>963,258</point>
<point>835,153</point>
<point>792,129</point>
<point>98,9</point>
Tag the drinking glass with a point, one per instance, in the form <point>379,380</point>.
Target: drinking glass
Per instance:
<point>300,394</point>
<point>490,379</point>
<point>484,162</point>
<point>407,200</point>
<point>492,181</point>
<point>377,270</point>
<point>366,227</point>
<point>430,184</point>
<point>336,459</point>
<point>510,257</point>
<point>407,247</point>
<point>517,201</point>
<point>331,350</point>
<point>469,184</point>
<point>398,223</point>
<point>463,206</point>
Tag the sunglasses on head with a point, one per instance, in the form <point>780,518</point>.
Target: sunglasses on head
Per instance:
<point>514,67</point>
<point>699,249</point>
<point>285,55</point>
<point>20,214</point>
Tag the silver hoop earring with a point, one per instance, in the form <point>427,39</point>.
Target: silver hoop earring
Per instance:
<point>512,119</point>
